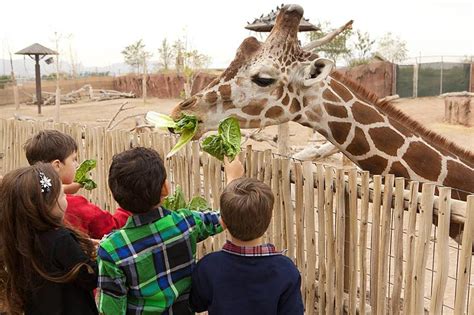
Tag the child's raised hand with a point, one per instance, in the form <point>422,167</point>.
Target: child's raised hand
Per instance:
<point>233,169</point>
<point>71,188</point>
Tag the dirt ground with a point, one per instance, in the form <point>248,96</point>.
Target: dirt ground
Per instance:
<point>429,111</point>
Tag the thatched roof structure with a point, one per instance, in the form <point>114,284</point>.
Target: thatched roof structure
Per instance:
<point>265,23</point>
<point>36,49</point>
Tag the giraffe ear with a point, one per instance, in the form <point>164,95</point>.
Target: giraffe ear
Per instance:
<point>317,71</point>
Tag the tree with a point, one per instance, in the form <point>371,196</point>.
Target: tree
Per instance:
<point>166,54</point>
<point>135,55</point>
<point>392,48</point>
<point>189,63</point>
<point>362,49</point>
<point>178,51</point>
<point>335,49</point>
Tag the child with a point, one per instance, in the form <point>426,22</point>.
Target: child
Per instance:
<point>45,267</point>
<point>60,149</point>
<point>145,267</point>
<point>246,276</point>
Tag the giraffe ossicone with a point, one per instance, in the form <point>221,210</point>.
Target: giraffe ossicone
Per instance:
<point>278,81</point>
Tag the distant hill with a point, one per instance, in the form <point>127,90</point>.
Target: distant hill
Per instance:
<point>25,68</point>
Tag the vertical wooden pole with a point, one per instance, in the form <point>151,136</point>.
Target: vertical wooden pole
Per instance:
<point>363,239</point>
<point>310,236</point>
<point>16,97</point>
<point>321,241</point>
<point>398,245</point>
<point>410,246</point>
<point>382,280</point>
<point>422,245</point>
<point>331,254</point>
<point>465,259</point>
<point>144,79</point>
<point>374,253</point>
<point>340,238</point>
<point>442,251</point>
<point>352,246</point>
<point>39,99</point>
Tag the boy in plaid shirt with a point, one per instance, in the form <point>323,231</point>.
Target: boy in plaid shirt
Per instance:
<point>145,267</point>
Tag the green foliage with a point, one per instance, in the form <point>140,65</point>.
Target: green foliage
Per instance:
<point>335,49</point>
<point>226,142</point>
<point>52,76</point>
<point>392,48</point>
<point>82,174</point>
<point>166,54</point>
<point>178,201</point>
<point>4,79</point>
<point>198,203</point>
<point>363,45</point>
<point>135,55</point>
<point>175,201</point>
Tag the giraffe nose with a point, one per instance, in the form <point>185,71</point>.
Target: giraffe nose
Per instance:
<point>187,103</point>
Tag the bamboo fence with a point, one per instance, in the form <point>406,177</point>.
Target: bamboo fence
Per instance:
<point>363,244</point>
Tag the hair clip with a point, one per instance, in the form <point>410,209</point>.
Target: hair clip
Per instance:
<point>45,182</point>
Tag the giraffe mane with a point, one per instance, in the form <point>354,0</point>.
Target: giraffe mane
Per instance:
<point>396,114</point>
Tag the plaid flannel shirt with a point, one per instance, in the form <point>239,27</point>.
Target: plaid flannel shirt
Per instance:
<point>146,266</point>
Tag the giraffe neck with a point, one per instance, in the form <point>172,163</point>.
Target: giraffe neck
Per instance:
<point>382,141</point>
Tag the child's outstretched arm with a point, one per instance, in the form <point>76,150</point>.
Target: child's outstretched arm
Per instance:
<point>233,169</point>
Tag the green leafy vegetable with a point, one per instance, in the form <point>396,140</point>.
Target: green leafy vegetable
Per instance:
<point>186,126</point>
<point>198,203</point>
<point>226,142</point>
<point>178,201</point>
<point>82,174</point>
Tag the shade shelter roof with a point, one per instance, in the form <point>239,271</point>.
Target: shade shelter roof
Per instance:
<point>37,52</point>
<point>36,49</point>
<point>265,23</point>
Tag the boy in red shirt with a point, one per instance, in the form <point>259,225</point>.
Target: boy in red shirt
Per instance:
<point>60,149</point>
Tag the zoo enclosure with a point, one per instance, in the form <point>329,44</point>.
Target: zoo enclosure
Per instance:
<point>391,263</point>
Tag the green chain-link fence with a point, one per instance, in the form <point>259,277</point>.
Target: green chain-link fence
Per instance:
<point>433,78</point>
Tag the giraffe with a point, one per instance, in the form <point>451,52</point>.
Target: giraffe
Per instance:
<point>278,81</point>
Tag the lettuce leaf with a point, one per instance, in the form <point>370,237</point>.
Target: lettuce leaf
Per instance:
<point>82,174</point>
<point>186,126</point>
<point>176,200</point>
<point>226,142</point>
<point>198,203</point>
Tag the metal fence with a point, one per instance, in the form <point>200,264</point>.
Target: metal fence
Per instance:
<point>430,76</point>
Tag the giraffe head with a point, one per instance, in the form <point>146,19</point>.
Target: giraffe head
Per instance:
<point>266,83</point>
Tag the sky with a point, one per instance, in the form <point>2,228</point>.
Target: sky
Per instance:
<point>97,31</point>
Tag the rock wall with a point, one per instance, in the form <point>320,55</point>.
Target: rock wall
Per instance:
<point>161,85</point>
<point>376,77</point>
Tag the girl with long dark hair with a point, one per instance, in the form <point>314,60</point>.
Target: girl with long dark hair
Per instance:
<point>45,266</point>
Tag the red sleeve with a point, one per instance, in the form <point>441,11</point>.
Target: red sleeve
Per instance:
<point>91,219</point>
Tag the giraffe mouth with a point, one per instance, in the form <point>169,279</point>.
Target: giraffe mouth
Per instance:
<point>198,130</point>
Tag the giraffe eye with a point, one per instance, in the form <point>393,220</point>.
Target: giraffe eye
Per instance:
<point>262,81</point>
